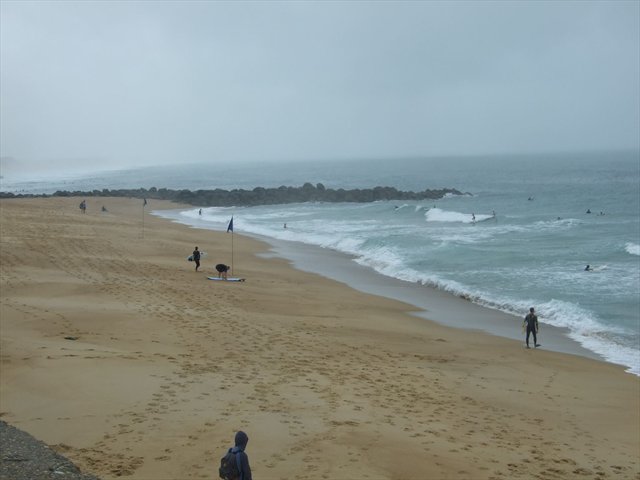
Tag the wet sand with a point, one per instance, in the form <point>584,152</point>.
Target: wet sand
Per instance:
<point>115,351</point>
<point>431,303</point>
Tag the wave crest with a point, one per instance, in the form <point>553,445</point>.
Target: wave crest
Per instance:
<point>439,215</point>
<point>632,248</point>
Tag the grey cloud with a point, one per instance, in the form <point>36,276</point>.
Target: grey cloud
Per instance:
<point>163,82</point>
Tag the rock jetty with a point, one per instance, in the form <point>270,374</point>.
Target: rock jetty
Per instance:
<point>259,195</point>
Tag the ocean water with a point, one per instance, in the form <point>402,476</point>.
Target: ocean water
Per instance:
<point>521,237</point>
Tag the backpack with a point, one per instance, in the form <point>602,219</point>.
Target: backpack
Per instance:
<point>229,467</point>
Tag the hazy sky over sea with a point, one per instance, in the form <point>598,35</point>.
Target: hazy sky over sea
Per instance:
<point>140,83</point>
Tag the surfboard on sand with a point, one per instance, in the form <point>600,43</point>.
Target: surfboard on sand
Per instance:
<point>202,255</point>
<point>230,279</point>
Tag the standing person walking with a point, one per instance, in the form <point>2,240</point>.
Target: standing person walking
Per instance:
<point>531,322</point>
<point>196,258</point>
<point>235,464</point>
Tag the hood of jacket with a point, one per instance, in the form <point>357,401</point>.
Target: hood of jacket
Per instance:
<point>241,440</point>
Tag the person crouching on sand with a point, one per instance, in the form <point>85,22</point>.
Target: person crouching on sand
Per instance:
<point>531,322</point>
<point>222,270</point>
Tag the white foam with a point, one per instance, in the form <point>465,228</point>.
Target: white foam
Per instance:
<point>439,215</point>
<point>632,248</point>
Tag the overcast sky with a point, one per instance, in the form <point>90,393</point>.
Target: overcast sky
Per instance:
<point>140,83</point>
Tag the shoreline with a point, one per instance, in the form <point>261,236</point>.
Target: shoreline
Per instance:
<point>117,354</point>
<point>431,303</point>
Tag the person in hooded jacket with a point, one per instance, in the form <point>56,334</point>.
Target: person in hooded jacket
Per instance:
<point>242,458</point>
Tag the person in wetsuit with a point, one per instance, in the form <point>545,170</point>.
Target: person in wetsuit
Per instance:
<point>531,322</point>
<point>196,258</point>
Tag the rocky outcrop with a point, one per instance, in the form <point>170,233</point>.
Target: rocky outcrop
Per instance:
<point>260,195</point>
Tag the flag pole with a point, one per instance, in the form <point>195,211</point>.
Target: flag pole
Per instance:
<point>230,229</point>
<point>143,205</point>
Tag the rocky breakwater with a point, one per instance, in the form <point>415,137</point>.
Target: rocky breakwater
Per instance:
<point>260,195</point>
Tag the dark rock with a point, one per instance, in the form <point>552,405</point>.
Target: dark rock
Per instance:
<point>259,195</point>
<point>22,457</point>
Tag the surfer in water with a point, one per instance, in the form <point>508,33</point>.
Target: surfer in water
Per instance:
<point>587,268</point>
<point>531,322</point>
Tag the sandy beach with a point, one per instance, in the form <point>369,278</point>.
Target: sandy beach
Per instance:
<point>119,355</point>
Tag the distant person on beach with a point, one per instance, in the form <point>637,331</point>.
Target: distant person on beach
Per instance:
<point>222,270</point>
<point>235,464</point>
<point>196,258</point>
<point>83,206</point>
<point>531,322</point>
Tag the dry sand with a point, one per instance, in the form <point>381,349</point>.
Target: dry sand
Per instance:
<point>328,382</point>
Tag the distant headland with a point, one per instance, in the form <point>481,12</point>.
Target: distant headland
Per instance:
<point>258,196</point>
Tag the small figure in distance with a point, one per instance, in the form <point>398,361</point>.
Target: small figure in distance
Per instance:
<point>196,258</point>
<point>531,322</point>
<point>83,206</point>
<point>588,210</point>
<point>222,270</point>
<point>587,268</point>
<point>235,464</point>
<point>200,212</point>
<point>104,209</point>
